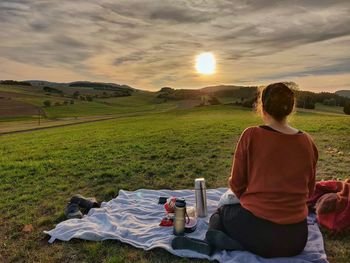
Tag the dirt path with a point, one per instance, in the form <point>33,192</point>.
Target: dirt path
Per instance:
<point>28,126</point>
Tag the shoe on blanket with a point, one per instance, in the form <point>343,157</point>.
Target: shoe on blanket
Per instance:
<point>72,211</point>
<point>222,241</point>
<point>183,242</point>
<point>84,202</point>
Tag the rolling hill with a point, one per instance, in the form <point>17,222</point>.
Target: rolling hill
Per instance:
<point>344,93</point>
<point>83,98</point>
<point>218,88</point>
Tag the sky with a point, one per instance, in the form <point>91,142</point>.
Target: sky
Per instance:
<point>152,44</point>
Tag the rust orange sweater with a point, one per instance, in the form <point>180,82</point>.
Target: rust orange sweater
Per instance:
<point>273,174</point>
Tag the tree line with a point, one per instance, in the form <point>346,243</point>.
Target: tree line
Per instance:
<point>14,82</point>
<point>247,96</point>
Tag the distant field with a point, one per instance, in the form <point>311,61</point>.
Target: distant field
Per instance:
<point>32,95</point>
<point>138,102</point>
<point>20,98</point>
<point>24,101</point>
<point>325,108</point>
<point>12,108</point>
<point>41,170</point>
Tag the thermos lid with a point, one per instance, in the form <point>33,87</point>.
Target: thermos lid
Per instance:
<point>199,183</point>
<point>180,202</point>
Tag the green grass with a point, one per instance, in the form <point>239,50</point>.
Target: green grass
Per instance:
<point>41,170</point>
<point>18,118</point>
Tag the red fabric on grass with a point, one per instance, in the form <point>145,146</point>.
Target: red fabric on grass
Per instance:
<point>332,200</point>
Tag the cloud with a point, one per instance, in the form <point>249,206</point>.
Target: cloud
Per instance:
<point>13,6</point>
<point>180,15</point>
<point>337,68</point>
<point>151,44</point>
<point>134,57</point>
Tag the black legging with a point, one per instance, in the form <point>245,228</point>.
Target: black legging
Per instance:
<point>260,236</point>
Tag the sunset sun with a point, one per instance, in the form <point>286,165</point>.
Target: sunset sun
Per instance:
<point>205,63</point>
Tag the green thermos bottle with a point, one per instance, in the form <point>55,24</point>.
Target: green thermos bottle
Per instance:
<point>179,222</point>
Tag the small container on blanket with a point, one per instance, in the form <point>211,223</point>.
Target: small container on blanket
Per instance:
<point>201,197</point>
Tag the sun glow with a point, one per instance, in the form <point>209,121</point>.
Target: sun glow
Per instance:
<point>205,63</point>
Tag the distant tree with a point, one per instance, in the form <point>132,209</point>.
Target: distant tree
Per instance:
<point>166,89</point>
<point>325,102</point>
<point>309,104</point>
<point>346,108</point>
<point>214,101</point>
<point>47,103</point>
<point>239,92</point>
<point>66,102</point>
<point>52,90</point>
<point>101,86</point>
<point>57,103</point>
<point>300,100</point>
<point>324,98</point>
<point>76,94</point>
<point>305,100</point>
<point>180,94</point>
<point>89,98</point>
<point>249,103</point>
<point>122,93</point>
<point>330,102</point>
<point>71,101</point>
<point>82,98</point>
<point>14,82</point>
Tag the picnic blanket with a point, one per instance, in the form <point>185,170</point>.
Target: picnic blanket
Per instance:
<point>133,218</point>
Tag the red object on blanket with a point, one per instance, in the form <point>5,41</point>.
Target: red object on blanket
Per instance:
<point>170,205</point>
<point>332,202</point>
<point>166,222</point>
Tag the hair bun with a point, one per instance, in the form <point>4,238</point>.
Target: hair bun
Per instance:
<point>278,100</point>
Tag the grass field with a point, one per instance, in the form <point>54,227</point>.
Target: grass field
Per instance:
<point>41,170</point>
<point>32,95</point>
<point>140,101</point>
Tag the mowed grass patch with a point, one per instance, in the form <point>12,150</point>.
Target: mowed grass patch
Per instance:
<point>41,170</point>
<point>334,109</point>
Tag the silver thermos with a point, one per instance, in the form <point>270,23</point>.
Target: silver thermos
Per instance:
<point>201,197</point>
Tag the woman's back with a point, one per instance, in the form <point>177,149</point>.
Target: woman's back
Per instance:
<point>274,173</point>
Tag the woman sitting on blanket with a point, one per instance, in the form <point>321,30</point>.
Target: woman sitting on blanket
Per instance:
<point>273,174</point>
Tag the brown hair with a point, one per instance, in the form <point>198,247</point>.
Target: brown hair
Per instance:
<point>276,99</point>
